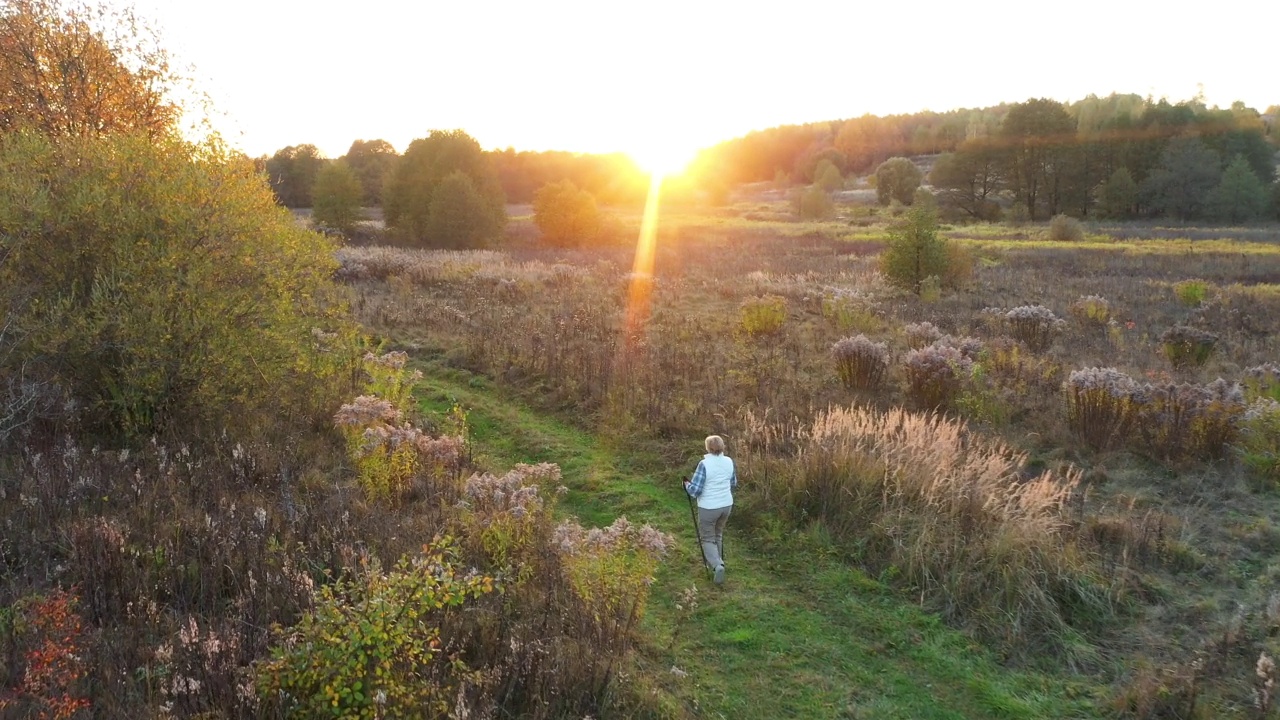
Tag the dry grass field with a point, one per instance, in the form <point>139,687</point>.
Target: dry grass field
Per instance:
<point>1119,524</point>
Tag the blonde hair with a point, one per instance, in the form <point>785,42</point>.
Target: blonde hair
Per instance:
<point>715,444</point>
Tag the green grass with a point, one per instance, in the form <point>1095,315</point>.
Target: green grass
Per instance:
<point>794,633</point>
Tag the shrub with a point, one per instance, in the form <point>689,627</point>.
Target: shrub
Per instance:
<point>371,646</point>
<point>860,363</point>
<point>566,215</point>
<point>1034,325</point>
<point>1191,293</point>
<point>935,375</point>
<point>1259,442</point>
<point>897,179</point>
<point>1091,311</point>
<point>812,203</point>
<point>920,334</point>
<point>1101,405</point>
<point>54,666</point>
<point>850,312</point>
<point>388,451</point>
<point>969,347</point>
<point>160,285</point>
<point>762,316</point>
<point>914,251</point>
<point>1186,346</point>
<point>1064,228</point>
<point>1197,421</point>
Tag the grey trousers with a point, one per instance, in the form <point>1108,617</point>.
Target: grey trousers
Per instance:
<point>711,530</point>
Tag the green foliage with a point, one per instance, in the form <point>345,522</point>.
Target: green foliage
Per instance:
<point>762,316</point>
<point>160,285</point>
<point>1187,346</point>
<point>812,203</point>
<point>371,646</point>
<point>1187,175</point>
<point>336,197</point>
<point>409,194</point>
<point>1037,157</point>
<point>1091,311</point>
<point>897,179</point>
<point>827,176</point>
<point>1240,196</point>
<point>914,251</point>
<point>1118,196</point>
<point>1259,444</point>
<point>371,160</point>
<point>850,314</point>
<point>967,180</point>
<point>388,452</point>
<point>1191,293</point>
<point>566,215</point>
<point>292,172</point>
<point>459,216</point>
<point>1064,228</point>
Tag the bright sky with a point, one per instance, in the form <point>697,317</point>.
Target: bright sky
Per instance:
<point>598,76</point>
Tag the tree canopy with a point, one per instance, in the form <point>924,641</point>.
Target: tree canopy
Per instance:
<point>78,69</point>
<point>566,215</point>
<point>409,202</point>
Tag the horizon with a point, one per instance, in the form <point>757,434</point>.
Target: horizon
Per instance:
<point>665,78</point>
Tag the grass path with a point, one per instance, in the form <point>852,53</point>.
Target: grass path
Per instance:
<point>792,634</point>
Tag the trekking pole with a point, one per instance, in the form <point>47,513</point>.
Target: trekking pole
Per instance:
<point>697,532</point>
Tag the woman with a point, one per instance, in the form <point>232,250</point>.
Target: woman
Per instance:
<point>713,484</point>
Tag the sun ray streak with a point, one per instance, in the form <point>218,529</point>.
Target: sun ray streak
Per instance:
<point>640,291</point>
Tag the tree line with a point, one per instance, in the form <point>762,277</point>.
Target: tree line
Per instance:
<point>1182,162</point>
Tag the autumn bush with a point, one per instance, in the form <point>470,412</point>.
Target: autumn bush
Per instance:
<point>1035,325</point>
<point>1064,228</point>
<point>159,286</point>
<point>935,375</point>
<point>860,363</point>
<point>1101,406</point>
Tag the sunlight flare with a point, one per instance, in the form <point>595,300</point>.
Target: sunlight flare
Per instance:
<point>639,294</point>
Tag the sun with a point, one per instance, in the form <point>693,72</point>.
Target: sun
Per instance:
<point>662,158</point>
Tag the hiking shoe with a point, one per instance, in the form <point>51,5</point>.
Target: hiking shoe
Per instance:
<point>719,576</point>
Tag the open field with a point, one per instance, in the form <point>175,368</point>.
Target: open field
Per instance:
<point>1173,552</point>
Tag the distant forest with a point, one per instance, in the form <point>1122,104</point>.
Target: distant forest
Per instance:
<point>1121,157</point>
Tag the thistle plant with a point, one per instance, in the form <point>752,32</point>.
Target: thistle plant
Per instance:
<point>920,334</point>
<point>1186,346</point>
<point>1101,405</point>
<point>969,347</point>
<point>860,363</point>
<point>388,450</point>
<point>1034,325</point>
<point>1186,420</point>
<point>936,374</point>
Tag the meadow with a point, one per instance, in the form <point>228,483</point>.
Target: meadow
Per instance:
<point>1043,457</point>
